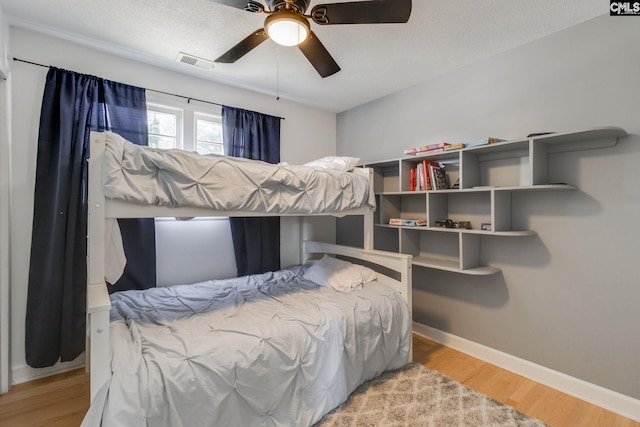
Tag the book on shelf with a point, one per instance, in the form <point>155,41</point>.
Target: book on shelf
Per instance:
<point>483,141</point>
<point>434,146</point>
<point>432,151</point>
<point>456,146</point>
<point>427,149</point>
<point>420,183</point>
<point>408,222</point>
<point>423,176</point>
<point>438,178</point>
<point>412,179</point>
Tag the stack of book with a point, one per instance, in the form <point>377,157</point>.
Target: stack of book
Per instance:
<point>429,149</point>
<point>440,147</point>
<point>456,146</point>
<point>428,175</point>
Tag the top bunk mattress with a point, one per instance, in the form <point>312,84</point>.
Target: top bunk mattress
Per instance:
<point>177,178</point>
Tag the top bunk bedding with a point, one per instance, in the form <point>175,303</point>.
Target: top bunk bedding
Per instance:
<point>177,178</point>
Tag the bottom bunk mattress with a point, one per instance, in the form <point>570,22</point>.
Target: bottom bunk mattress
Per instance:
<point>272,349</point>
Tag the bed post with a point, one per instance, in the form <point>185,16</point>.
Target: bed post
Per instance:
<point>368,218</point>
<point>98,354</point>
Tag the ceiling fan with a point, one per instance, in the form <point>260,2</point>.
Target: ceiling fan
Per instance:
<point>287,24</point>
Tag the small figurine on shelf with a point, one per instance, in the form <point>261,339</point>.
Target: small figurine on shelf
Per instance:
<point>449,223</point>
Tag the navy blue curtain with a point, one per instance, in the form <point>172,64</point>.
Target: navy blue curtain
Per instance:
<point>74,105</point>
<point>256,136</point>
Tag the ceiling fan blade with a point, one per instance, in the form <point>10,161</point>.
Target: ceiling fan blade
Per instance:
<point>362,12</point>
<point>248,5</point>
<point>245,46</point>
<point>319,56</point>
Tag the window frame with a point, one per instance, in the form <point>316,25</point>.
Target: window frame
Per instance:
<point>178,112</point>
<point>199,115</point>
<point>189,111</point>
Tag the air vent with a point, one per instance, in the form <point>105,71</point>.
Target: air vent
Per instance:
<point>185,58</point>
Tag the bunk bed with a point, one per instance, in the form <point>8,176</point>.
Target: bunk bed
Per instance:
<point>280,348</point>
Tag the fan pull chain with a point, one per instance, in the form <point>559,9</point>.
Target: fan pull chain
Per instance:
<point>278,73</point>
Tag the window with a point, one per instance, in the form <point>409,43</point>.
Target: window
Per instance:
<point>179,124</point>
<point>208,134</point>
<point>165,126</point>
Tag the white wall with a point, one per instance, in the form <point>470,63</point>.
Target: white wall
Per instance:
<point>568,298</point>
<point>307,133</point>
<point>5,191</point>
<point>4,45</point>
<point>193,251</point>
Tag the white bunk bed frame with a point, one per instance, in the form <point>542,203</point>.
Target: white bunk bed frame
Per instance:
<point>98,354</point>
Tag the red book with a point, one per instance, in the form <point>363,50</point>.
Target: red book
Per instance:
<point>412,180</point>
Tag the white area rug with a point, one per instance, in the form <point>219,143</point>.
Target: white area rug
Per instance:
<point>415,396</point>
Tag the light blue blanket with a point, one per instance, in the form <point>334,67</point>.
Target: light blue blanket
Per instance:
<point>263,350</point>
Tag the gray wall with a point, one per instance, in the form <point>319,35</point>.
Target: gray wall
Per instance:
<point>567,298</point>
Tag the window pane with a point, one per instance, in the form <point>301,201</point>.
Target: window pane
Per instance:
<point>208,131</point>
<point>164,142</point>
<point>162,123</point>
<point>209,148</point>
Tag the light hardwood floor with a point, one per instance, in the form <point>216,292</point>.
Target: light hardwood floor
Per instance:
<point>551,406</point>
<point>62,400</point>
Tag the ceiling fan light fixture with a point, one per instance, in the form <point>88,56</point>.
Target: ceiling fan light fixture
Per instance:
<point>287,28</point>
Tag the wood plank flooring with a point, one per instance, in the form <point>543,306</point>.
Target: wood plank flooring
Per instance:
<point>56,401</point>
<point>62,400</point>
<point>551,406</point>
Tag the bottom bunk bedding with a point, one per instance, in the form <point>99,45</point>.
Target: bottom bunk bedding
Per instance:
<point>273,349</point>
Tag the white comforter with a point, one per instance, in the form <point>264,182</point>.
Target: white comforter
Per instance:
<point>177,178</point>
<point>263,350</point>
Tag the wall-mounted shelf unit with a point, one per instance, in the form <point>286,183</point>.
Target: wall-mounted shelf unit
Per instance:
<point>488,175</point>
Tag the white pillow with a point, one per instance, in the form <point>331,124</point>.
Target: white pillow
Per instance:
<point>342,276</point>
<point>337,163</point>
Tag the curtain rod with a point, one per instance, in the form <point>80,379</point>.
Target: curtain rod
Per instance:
<point>188,98</point>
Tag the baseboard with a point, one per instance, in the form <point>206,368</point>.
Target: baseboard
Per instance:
<point>592,393</point>
<point>24,373</point>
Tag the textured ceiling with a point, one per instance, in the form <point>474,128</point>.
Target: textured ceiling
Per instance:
<point>441,35</point>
